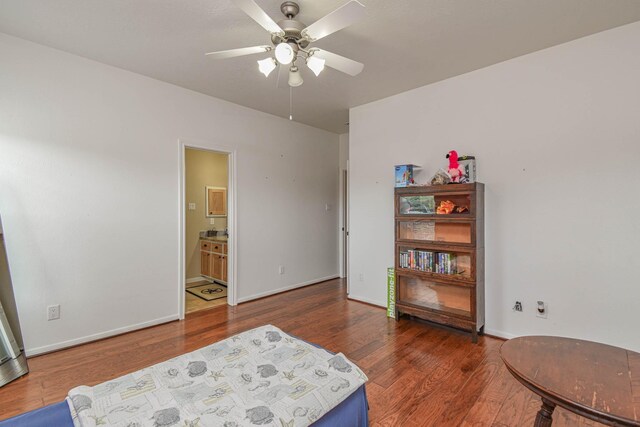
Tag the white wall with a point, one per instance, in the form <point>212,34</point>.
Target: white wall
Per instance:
<point>89,179</point>
<point>557,137</point>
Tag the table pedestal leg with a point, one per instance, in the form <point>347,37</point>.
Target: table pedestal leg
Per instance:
<point>543,419</point>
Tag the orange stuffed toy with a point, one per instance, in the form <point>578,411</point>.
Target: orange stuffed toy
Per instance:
<point>445,207</point>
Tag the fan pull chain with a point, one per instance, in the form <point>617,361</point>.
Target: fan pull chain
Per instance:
<point>290,103</point>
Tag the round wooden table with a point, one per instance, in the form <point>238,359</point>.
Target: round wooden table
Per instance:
<point>596,381</point>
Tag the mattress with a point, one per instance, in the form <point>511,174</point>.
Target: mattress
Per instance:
<point>290,382</point>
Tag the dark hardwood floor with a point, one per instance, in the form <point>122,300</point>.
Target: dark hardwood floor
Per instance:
<point>419,375</point>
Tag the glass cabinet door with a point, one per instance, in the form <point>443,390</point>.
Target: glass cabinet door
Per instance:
<point>435,231</point>
<point>416,205</point>
<point>441,204</point>
<point>447,263</point>
<point>448,298</point>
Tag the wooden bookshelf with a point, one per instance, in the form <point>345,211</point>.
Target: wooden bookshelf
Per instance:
<point>439,258</point>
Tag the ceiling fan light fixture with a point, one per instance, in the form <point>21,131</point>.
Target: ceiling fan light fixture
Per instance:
<point>295,79</point>
<point>284,53</point>
<point>315,64</point>
<point>266,66</point>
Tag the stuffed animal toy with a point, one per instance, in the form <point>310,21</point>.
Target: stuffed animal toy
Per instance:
<point>454,168</point>
<point>445,207</point>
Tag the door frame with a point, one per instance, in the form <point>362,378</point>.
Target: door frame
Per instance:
<point>344,219</point>
<point>232,294</point>
<point>345,223</point>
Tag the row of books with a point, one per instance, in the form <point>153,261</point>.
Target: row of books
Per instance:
<point>435,262</point>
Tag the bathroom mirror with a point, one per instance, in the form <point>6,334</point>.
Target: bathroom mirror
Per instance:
<point>216,202</point>
<point>13,363</point>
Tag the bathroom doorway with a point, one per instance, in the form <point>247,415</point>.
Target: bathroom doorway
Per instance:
<point>207,226</point>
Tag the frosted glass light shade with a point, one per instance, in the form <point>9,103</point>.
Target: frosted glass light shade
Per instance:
<point>315,64</point>
<point>284,53</point>
<point>266,66</point>
<point>295,79</point>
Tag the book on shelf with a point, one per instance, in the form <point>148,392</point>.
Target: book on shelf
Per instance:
<point>428,261</point>
<point>447,263</point>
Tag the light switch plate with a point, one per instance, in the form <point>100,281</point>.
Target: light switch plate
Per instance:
<point>192,206</point>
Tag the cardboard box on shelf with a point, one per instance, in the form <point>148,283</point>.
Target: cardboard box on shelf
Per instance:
<point>468,168</point>
<point>404,175</point>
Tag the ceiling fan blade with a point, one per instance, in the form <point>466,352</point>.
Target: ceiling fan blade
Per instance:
<point>340,63</point>
<point>252,9</point>
<point>232,53</point>
<point>335,21</point>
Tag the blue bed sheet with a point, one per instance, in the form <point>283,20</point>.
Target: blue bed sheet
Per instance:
<point>56,415</point>
<point>352,412</point>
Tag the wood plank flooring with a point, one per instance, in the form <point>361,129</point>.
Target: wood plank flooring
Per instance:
<point>419,375</point>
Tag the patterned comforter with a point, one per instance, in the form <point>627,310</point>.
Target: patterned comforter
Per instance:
<point>261,377</point>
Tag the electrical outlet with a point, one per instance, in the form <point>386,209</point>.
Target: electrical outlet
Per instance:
<point>327,207</point>
<point>542,310</point>
<point>212,221</point>
<point>362,277</point>
<point>192,206</point>
<point>53,312</point>
<point>281,269</point>
<point>517,306</point>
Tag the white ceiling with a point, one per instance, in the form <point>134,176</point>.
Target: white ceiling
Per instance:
<point>403,44</point>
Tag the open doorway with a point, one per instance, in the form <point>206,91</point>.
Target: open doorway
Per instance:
<point>206,199</point>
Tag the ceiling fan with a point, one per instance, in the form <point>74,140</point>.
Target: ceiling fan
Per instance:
<point>291,40</point>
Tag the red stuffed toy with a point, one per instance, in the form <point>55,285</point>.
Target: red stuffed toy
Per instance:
<point>454,168</point>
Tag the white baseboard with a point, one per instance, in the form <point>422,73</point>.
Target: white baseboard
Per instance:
<point>368,301</point>
<point>195,279</point>
<point>106,334</point>
<point>499,334</point>
<point>286,288</point>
